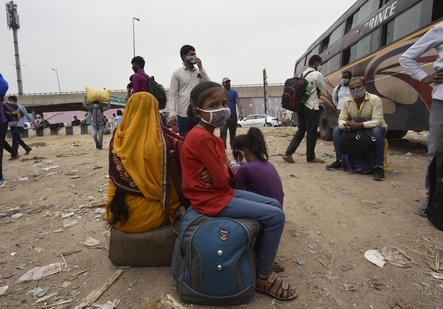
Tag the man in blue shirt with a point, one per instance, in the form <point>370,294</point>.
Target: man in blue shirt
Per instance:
<point>233,103</point>
<point>17,127</point>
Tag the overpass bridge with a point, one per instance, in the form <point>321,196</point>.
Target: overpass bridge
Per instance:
<point>251,96</point>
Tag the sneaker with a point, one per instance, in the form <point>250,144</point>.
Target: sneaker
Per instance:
<point>2,182</point>
<point>316,160</point>
<point>337,165</point>
<point>288,158</point>
<point>379,173</point>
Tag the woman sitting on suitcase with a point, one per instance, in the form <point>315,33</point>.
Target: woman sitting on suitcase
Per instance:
<point>202,150</point>
<point>138,170</point>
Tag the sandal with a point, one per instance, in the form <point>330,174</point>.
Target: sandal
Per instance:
<point>277,267</point>
<point>268,283</point>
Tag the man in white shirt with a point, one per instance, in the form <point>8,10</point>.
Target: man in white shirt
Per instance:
<point>410,61</point>
<point>182,82</point>
<point>341,91</point>
<point>309,116</point>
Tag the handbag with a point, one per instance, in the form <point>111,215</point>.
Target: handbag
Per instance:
<point>357,143</point>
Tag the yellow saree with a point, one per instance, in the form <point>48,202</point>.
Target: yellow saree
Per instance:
<point>139,145</point>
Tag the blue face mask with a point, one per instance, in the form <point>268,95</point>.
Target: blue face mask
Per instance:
<point>217,117</point>
<point>96,105</point>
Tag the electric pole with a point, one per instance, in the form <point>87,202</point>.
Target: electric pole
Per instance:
<point>14,24</point>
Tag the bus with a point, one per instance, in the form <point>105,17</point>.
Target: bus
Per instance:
<point>368,40</point>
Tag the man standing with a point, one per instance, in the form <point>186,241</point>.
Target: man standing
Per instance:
<point>359,112</point>
<point>341,91</point>
<point>139,80</point>
<point>182,82</point>
<point>75,121</point>
<point>234,104</point>
<point>17,127</point>
<point>309,116</point>
<point>410,61</point>
<point>97,121</point>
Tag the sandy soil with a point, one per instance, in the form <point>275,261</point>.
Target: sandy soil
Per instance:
<point>333,217</point>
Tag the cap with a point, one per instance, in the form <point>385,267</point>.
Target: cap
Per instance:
<point>225,79</point>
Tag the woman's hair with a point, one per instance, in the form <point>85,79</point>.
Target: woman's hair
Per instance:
<point>118,208</point>
<point>254,140</point>
<point>198,96</point>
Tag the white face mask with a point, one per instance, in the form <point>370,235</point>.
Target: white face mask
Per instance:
<point>319,67</point>
<point>192,59</point>
<point>238,157</point>
<point>345,81</point>
<point>217,117</point>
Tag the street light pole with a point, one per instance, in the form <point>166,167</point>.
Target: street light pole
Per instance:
<point>58,80</point>
<point>133,33</point>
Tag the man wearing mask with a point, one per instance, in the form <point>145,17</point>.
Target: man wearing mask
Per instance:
<point>182,82</point>
<point>97,121</point>
<point>341,91</point>
<point>361,111</point>
<point>309,116</point>
<point>234,104</point>
<point>139,80</point>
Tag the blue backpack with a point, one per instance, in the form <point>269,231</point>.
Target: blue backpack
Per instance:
<point>214,260</point>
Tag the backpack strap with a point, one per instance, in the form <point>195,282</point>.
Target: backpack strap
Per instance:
<point>336,93</point>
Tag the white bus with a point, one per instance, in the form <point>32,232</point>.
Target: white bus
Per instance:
<point>368,40</point>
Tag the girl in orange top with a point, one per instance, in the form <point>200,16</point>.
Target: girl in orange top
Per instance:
<point>203,151</point>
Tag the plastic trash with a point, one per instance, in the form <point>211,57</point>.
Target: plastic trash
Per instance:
<point>69,222</point>
<point>90,242</point>
<point>375,257</point>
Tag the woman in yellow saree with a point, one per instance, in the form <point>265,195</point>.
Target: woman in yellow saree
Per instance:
<point>140,189</point>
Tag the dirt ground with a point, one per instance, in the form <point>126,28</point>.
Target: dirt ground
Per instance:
<point>332,219</point>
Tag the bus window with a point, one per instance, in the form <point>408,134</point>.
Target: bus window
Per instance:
<point>351,22</point>
<point>437,10</point>
<point>333,64</point>
<point>367,9</point>
<point>337,34</point>
<point>368,44</point>
<point>324,44</point>
<point>346,57</point>
<point>387,34</point>
<point>407,22</point>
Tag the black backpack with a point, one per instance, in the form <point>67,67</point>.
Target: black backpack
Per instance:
<point>296,92</point>
<point>435,204</point>
<point>157,90</point>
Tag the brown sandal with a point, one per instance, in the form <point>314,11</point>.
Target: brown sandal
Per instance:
<point>277,267</point>
<point>266,284</point>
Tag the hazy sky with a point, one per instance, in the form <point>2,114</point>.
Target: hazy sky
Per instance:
<point>90,43</point>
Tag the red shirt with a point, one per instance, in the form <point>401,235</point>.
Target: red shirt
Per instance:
<point>203,150</point>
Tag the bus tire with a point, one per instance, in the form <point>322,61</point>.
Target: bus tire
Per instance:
<point>396,134</point>
<point>325,130</point>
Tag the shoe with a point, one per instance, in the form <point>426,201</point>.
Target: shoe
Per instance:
<point>14,157</point>
<point>316,160</point>
<point>2,182</point>
<point>379,174</point>
<point>337,165</point>
<point>422,209</point>
<point>288,158</point>
<point>28,151</point>
<point>282,287</point>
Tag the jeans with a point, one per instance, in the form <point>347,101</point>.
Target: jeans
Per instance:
<point>267,211</point>
<point>182,125</point>
<point>17,139</point>
<point>378,132</point>
<point>3,130</point>
<point>97,134</point>
<point>307,123</point>
<point>230,124</point>
<point>435,140</point>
